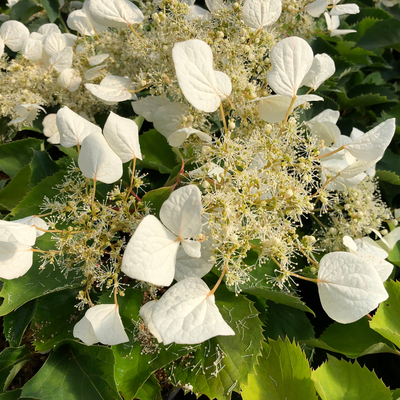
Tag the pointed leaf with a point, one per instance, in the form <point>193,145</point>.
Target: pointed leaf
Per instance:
<point>12,360</point>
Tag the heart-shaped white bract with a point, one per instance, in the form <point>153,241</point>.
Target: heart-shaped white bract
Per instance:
<point>343,8</point>
<point>327,115</point>
<point>73,128</point>
<point>326,131</point>
<point>98,161</point>
<point>273,108</point>
<point>112,89</point>
<point>178,137</point>
<point>258,14</point>
<point>47,29</point>
<point>69,79</point>
<point>101,323</point>
<point>332,23</point>
<point>15,259</point>
<point>13,231</point>
<point>83,330</point>
<point>55,43</point>
<point>316,8</point>
<point>35,221</point>
<point>389,241</point>
<point>322,68</point>
<point>146,313</point>
<point>32,49</point>
<point>148,106</point>
<point>168,119</point>
<point>187,314</point>
<point>62,60</point>
<point>98,59</point>
<point>95,72</point>
<point>27,113</point>
<point>78,21</point>
<point>50,129</point>
<point>123,137</point>
<point>291,59</point>
<point>371,253</point>
<point>115,13</point>
<point>14,34</point>
<point>372,145</point>
<point>349,287</point>
<point>150,255</point>
<point>193,61</point>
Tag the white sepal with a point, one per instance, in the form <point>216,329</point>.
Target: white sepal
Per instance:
<point>316,8</point>
<point>50,129</point>
<point>62,60</point>
<point>14,34</point>
<point>178,137</point>
<point>291,59</point>
<point>151,253</point>
<point>322,68</point>
<point>16,259</point>
<point>148,106</point>
<point>186,314</point>
<point>107,324</point>
<point>112,89</point>
<point>349,287</point>
<point>78,21</point>
<point>181,213</point>
<point>146,312</point>
<point>73,128</point>
<point>32,49</point>
<point>259,14</point>
<point>122,136</point>
<point>192,248</point>
<point>35,221</point>
<point>12,231</point>
<point>193,61</point>
<point>98,161</point>
<point>115,13</point>
<point>83,330</point>
<point>69,79</point>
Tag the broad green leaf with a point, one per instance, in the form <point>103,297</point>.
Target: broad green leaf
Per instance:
<point>386,320</point>
<point>282,373</point>
<point>23,10</point>
<point>134,363</point>
<point>157,153</point>
<point>16,322</point>
<point>42,166</point>
<point>52,8</point>
<point>280,298</point>
<point>16,189</point>
<point>36,283</point>
<point>363,100</point>
<point>394,255</point>
<point>222,364</point>
<point>389,177</point>
<point>70,152</point>
<point>395,394</point>
<point>156,198</point>
<point>75,371</point>
<point>285,321</point>
<point>54,319</point>
<point>389,162</point>
<point>12,395</point>
<point>151,390</point>
<point>353,340</point>
<point>382,34</point>
<point>15,155</point>
<point>31,203</point>
<point>340,379</point>
<point>368,12</point>
<point>12,360</point>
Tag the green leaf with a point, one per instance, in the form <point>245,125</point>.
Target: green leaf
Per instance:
<point>353,340</point>
<point>223,363</point>
<point>156,198</point>
<point>367,12</point>
<point>280,298</point>
<point>75,371</point>
<point>389,162</point>
<point>285,321</point>
<point>395,394</point>
<point>23,10</point>
<point>386,176</point>
<point>151,390</point>
<point>339,379</point>
<point>394,255</point>
<point>17,321</point>
<point>382,34</point>
<point>283,373</point>
<point>31,203</point>
<point>15,155</point>
<point>132,368</point>
<point>157,153</point>
<point>52,8</point>
<point>54,319</point>
<point>386,320</point>
<point>70,152</point>
<point>42,167</point>
<point>12,360</point>
<point>12,395</point>
<point>16,189</point>
<point>364,100</point>
<point>36,283</point>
